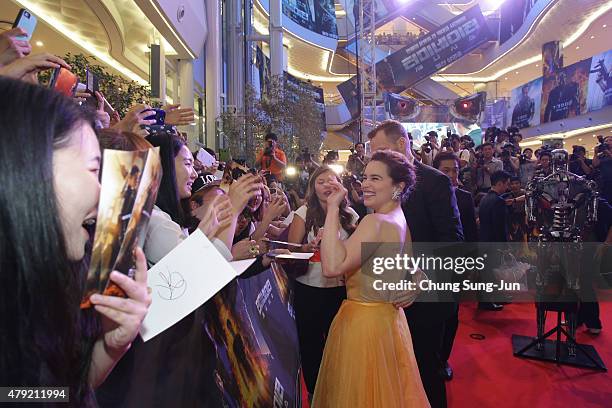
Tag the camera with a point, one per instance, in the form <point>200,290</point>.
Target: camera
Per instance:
<point>601,146</point>
<point>426,147</point>
<point>269,149</point>
<point>513,131</point>
<point>348,180</point>
<point>467,142</point>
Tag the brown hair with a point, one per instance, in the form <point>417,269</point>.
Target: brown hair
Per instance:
<point>445,156</point>
<point>126,141</point>
<point>392,128</point>
<point>315,215</point>
<point>398,168</point>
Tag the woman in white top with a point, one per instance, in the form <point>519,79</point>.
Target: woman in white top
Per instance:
<point>317,298</point>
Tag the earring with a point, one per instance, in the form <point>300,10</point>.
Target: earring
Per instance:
<point>396,195</point>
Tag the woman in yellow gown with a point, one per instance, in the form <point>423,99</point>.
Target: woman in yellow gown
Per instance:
<point>368,359</point>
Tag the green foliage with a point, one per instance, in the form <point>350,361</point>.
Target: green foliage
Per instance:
<point>118,91</point>
<point>289,111</point>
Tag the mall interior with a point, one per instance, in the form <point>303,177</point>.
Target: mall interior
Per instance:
<point>286,86</point>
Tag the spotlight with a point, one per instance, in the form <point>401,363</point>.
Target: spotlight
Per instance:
<point>290,171</point>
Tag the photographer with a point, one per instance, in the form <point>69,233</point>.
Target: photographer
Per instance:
<point>431,148</point>
<point>466,152</point>
<point>579,164</point>
<point>484,166</point>
<point>358,160</point>
<point>272,158</point>
<point>527,166</point>
<point>511,163</point>
<point>502,139</point>
<point>603,162</point>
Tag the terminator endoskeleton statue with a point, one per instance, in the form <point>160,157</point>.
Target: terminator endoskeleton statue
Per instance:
<point>563,207</point>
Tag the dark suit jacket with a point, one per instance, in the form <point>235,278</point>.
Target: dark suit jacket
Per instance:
<point>465,202</point>
<point>432,216</point>
<point>493,214</point>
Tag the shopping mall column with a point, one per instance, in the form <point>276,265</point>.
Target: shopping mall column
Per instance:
<point>276,37</point>
<point>186,95</point>
<point>213,71</point>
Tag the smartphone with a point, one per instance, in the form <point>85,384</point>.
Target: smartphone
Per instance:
<point>63,81</point>
<point>108,108</point>
<point>158,114</point>
<point>26,21</point>
<point>91,87</point>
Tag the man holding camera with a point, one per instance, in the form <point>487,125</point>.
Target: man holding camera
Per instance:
<point>430,149</point>
<point>603,162</point>
<point>579,164</point>
<point>485,166</point>
<point>358,160</point>
<point>272,158</point>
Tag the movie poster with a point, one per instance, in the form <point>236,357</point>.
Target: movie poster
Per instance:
<point>600,82</point>
<point>130,181</point>
<point>565,95</point>
<point>314,15</point>
<point>525,101</point>
<point>252,327</point>
<point>552,59</point>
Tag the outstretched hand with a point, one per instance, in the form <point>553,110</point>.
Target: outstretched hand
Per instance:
<point>216,216</point>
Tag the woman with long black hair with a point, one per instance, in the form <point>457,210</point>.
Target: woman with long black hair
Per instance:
<point>49,164</point>
<point>317,298</point>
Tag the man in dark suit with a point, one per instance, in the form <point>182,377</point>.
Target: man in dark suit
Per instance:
<point>432,216</point>
<point>493,210</point>
<point>449,164</point>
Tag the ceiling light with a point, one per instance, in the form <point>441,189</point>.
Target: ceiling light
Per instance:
<point>580,140</point>
<point>506,78</point>
<point>39,43</point>
<point>537,65</point>
<point>516,72</point>
<point>605,25</point>
<point>577,47</point>
<point>494,4</point>
<point>592,37</point>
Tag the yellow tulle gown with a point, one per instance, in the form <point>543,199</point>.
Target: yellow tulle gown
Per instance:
<point>368,359</point>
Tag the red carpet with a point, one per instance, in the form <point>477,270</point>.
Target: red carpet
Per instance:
<point>486,374</point>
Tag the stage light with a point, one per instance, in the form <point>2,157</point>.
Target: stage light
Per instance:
<point>39,43</point>
<point>290,171</point>
<point>337,168</point>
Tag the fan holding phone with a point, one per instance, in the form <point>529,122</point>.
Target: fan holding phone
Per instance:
<point>15,58</point>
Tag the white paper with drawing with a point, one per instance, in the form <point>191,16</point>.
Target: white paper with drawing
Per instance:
<point>180,285</point>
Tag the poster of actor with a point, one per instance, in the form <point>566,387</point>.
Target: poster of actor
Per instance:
<point>600,82</point>
<point>525,103</point>
<point>565,96</point>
